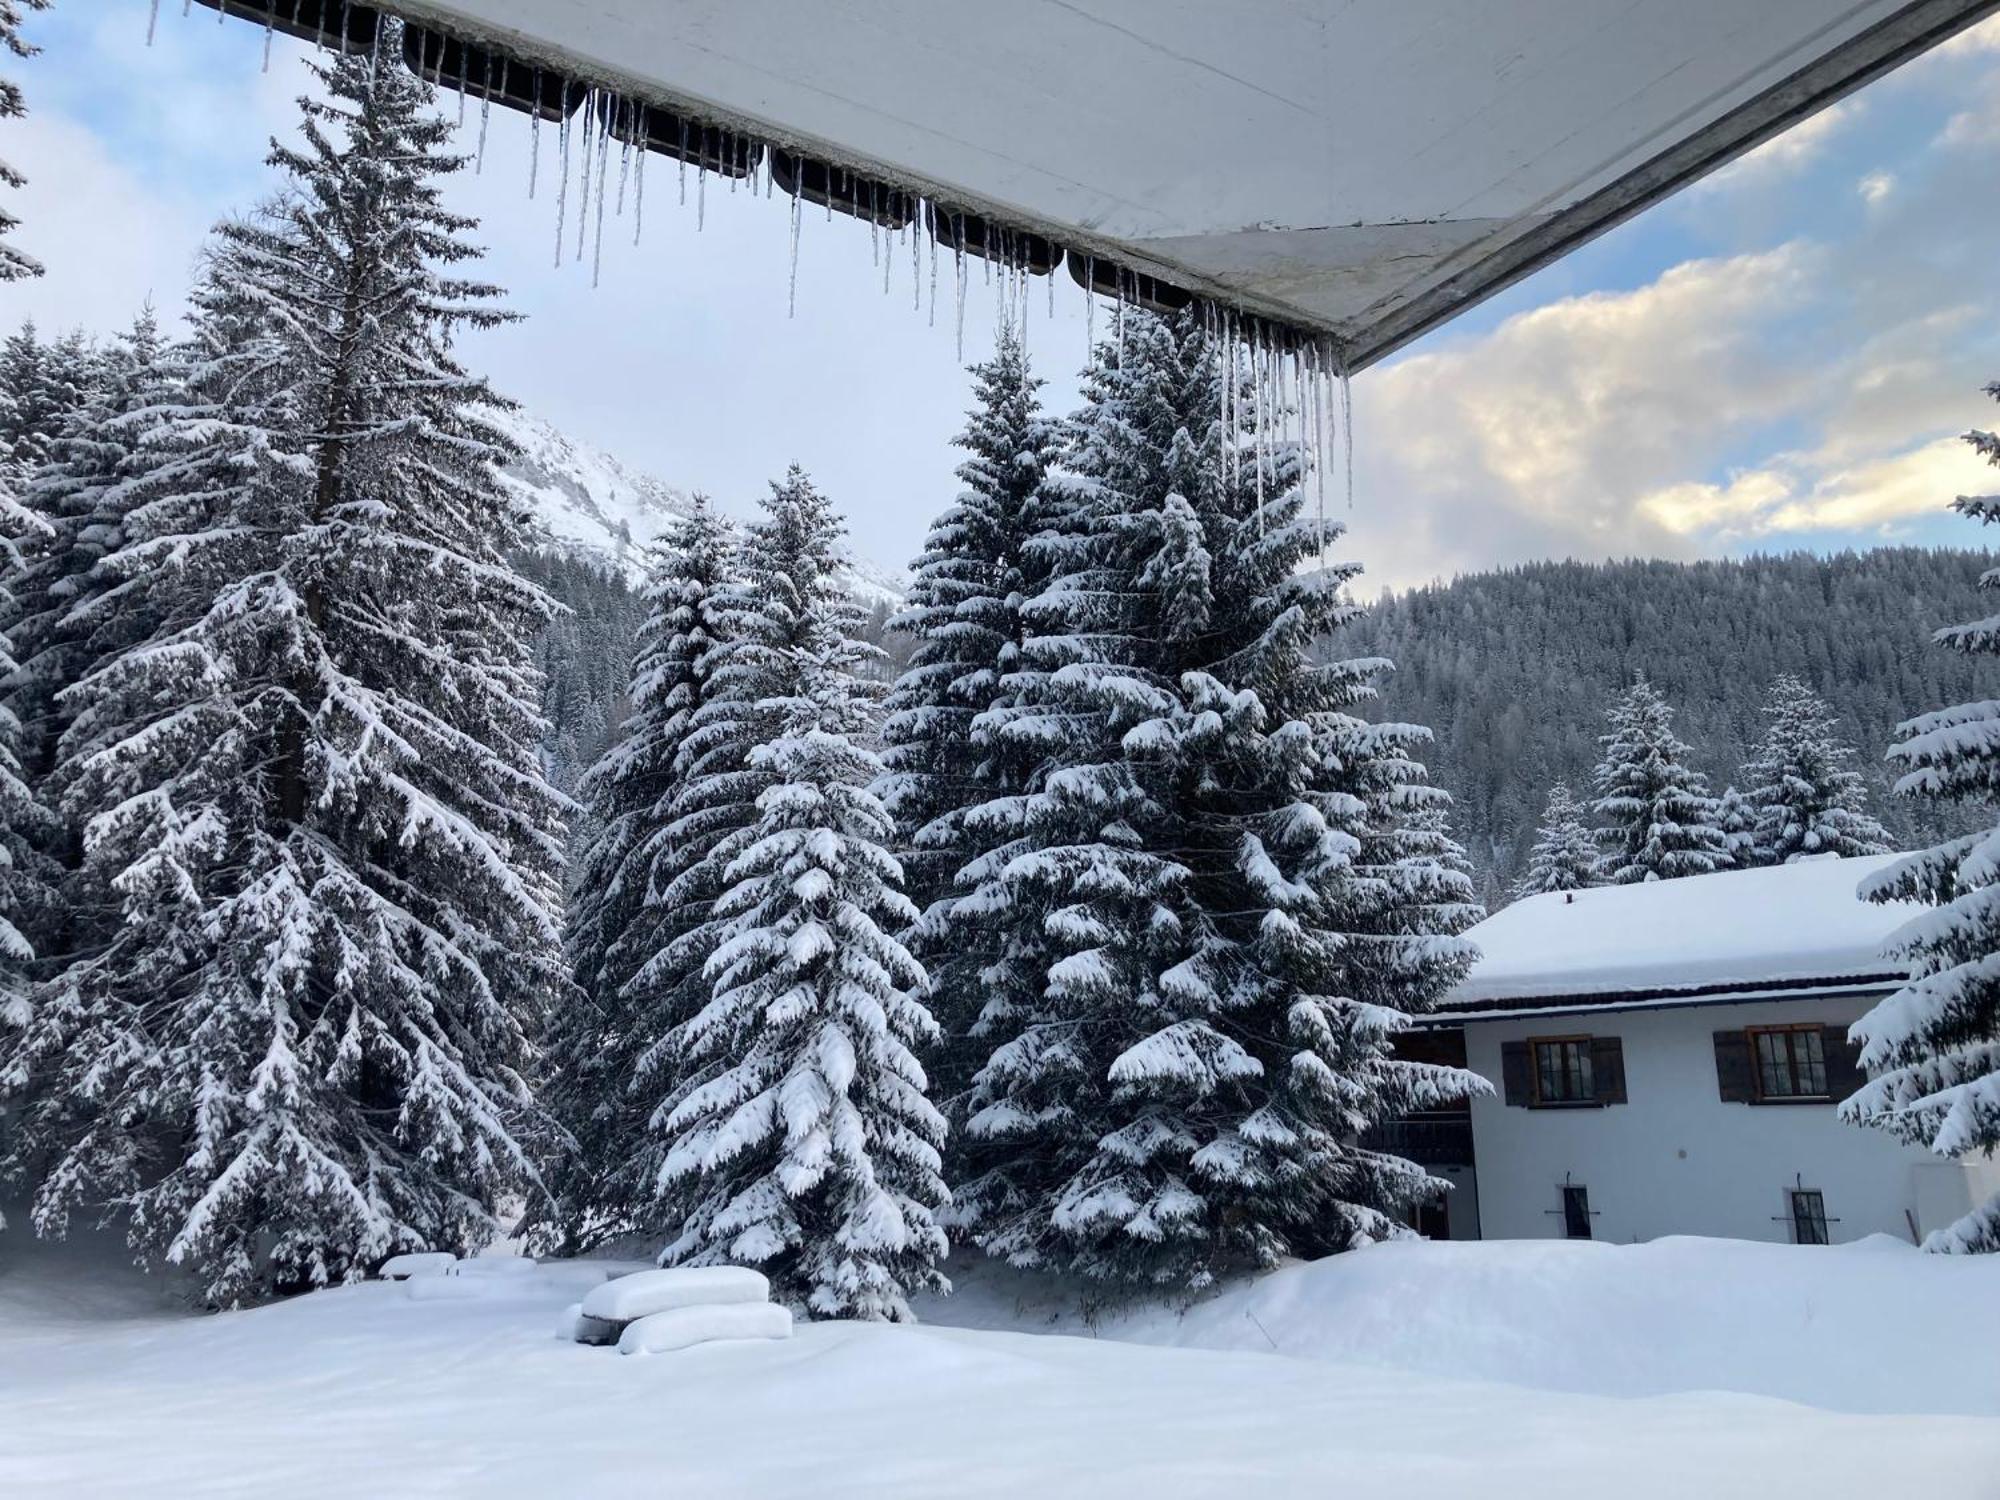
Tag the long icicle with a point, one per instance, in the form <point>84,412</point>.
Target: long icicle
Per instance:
<point>603,169</point>
<point>535,137</point>
<point>485,117</point>
<point>639,173</point>
<point>562,189</point>
<point>792,294</point>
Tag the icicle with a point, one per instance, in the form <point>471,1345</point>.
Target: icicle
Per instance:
<point>792,296</point>
<point>590,117</point>
<point>1346,422</point>
<point>874,234</point>
<point>959,252</point>
<point>562,189</point>
<point>684,161</point>
<point>625,140</point>
<point>701,192</point>
<point>930,233</point>
<point>1258,381</point>
<point>485,117</point>
<point>270,26</point>
<point>464,81</point>
<point>1089,308</point>
<point>319,27</point>
<point>1052,294</point>
<point>152,22</point>
<point>888,248</point>
<point>535,137</point>
<point>639,174</point>
<point>603,168</point>
<point>916,257</point>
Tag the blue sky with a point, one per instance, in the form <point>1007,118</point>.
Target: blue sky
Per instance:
<point>1778,357</point>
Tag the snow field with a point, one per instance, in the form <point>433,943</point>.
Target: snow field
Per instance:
<point>1621,1376</point>
<point>684,1327</point>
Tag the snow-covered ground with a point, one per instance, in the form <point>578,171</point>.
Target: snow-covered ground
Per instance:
<point>1680,1368</point>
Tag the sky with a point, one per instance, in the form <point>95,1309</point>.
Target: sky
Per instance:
<point>1781,356</point>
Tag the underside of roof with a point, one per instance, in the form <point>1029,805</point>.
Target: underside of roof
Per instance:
<point>1353,168</point>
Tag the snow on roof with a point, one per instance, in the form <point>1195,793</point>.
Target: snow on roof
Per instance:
<point>1757,929</point>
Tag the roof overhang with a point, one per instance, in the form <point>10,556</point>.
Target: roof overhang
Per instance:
<point>1453,1014</point>
<point>1364,170</point>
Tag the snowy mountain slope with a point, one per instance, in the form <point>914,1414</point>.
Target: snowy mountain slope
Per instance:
<point>592,504</point>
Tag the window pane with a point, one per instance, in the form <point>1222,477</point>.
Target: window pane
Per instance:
<point>1548,1082</point>
<point>1774,1064</point>
<point>1576,1213</point>
<point>1812,1062</point>
<point>1809,1217</point>
<point>1580,1085</point>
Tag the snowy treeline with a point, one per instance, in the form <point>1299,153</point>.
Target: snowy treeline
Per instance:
<point>1932,1049</point>
<point>1173,896</point>
<point>1654,816</point>
<point>1514,669</point>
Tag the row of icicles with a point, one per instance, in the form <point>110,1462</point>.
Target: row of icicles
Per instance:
<point>1289,391</point>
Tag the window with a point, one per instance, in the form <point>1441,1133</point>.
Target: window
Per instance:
<point>1562,1071</point>
<point>1790,1062</point>
<point>1576,1211</point>
<point>1808,1217</point>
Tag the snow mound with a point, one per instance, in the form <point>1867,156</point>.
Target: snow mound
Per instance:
<point>1874,1326</point>
<point>684,1327</point>
<point>648,1292</point>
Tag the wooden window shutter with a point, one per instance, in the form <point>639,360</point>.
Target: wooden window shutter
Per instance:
<point>1607,1069</point>
<point>1735,1075</point>
<point>1514,1072</point>
<point>1844,1073</point>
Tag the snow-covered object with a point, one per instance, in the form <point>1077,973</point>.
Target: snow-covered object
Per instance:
<point>568,1320</point>
<point>1801,922</point>
<point>664,1332</point>
<point>1808,798</point>
<point>418,1263</point>
<point>646,1292</point>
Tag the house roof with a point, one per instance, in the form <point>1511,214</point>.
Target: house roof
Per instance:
<point>1791,929</point>
<point>1365,171</point>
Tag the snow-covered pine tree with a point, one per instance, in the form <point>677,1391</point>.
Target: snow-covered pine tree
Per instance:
<point>25,896</point>
<point>1223,890</point>
<point>70,610</point>
<point>14,264</point>
<point>1932,1049</point>
<point>634,908</point>
<point>315,787</point>
<point>1736,816</point>
<point>1565,853</point>
<point>802,1140</point>
<point>964,613</point>
<point>1657,821</point>
<point>1808,799</point>
<point>41,384</point>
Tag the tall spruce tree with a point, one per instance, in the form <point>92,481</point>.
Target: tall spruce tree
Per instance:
<point>1932,1049</point>
<point>24,888</point>
<point>1736,816</point>
<point>1657,821</point>
<point>1565,853</point>
<point>802,1140</point>
<point>1808,799</point>
<point>314,788</point>
<point>1223,891</point>
<point>638,901</point>
<point>965,614</point>
<point>15,264</point>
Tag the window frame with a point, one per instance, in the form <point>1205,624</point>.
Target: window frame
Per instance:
<point>1752,1036</point>
<point>1583,1042</point>
<point>1816,1219</point>
<point>1581,1192</point>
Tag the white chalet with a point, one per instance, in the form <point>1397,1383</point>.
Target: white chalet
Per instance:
<point>1666,1059</point>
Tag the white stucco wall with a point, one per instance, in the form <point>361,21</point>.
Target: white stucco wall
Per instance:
<point>1676,1159</point>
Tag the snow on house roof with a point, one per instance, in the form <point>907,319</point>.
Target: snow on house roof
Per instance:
<point>1796,926</point>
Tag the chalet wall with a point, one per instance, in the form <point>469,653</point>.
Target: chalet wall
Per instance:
<point>1675,1159</point>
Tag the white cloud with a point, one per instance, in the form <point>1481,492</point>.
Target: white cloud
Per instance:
<point>1876,187</point>
<point>1795,496</point>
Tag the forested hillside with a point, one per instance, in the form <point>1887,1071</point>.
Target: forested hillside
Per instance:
<point>1513,669</point>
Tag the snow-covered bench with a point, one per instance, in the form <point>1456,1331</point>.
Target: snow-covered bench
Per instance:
<point>418,1263</point>
<point>663,1332</point>
<point>610,1309</point>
